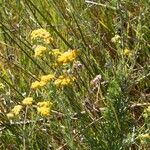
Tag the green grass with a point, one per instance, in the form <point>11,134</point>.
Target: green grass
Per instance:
<point>103,108</point>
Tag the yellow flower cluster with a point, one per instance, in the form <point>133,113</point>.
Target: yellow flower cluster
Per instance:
<point>44,108</point>
<point>37,84</point>
<point>39,51</point>
<point>67,57</point>
<point>2,86</point>
<point>27,101</point>
<point>127,52</point>
<point>147,112</point>
<point>15,111</point>
<point>47,78</point>
<point>63,80</point>
<point>41,34</point>
<point>44,80</point>
<point>145,138</point>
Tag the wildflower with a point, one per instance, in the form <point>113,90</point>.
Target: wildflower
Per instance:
<point>27,101</point>
<point>44,111</point>
<point>2,86</point>
<point>116,39</point>
<point>148,109</point>
<point>127,52</point>
<point>63,80</point>
<point>10,115</point>
<point>68,56</point>
<point>145,138</point>
<point>47,78</point>
<point>41,34</point>
<point>42,83</point>
<point>35,85</point>
<point>39,51</point>
<point>58,82</point>
<point>16,110</point>
<point>44,108</point>
<point>44,104</point>
<point>38,84</point>
<point>147,112</point>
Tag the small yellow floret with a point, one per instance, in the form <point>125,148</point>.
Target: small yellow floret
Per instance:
<point>68,56</point>
<point>16,110</point>
<point>39,51</point>
<point>45,104</point>
<point>42,83</point>
<point>127,52</point>
<point>44,111</point>
<point>44,80</point>
<point>147,112</point>
<point>47,78</point>
<point>144,138</point>
<point>44,108</point>
<point>2,86</point>
<point>148,109</point>
<point>41,34</point>
<point>35,85</point>
<point>63,80</point>
<point>38,84</point>
<point>27,101</point>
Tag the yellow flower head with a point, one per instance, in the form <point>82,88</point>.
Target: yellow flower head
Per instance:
<point>63,80</point>
<point>145,138</point>
<point>45,104</point>
<point>2,86</point>
<point>68,56</point>
<point>148,109</point>
<point>44,108</point>
<point>39,51</point>
<point>38,84</point>
<point>35,85</point>
<point>43,111</point>
<point>42,83</point>
<point>41,34</point>
<point>16,110</point>
<point>147,112</point>
<point>127,52</point>
<point>47,78</point>
<point>27,101</point>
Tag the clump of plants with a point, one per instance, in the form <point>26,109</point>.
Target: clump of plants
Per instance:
<point>74,75</point>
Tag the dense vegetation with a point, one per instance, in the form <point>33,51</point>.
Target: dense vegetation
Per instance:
<point>74,75</point>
